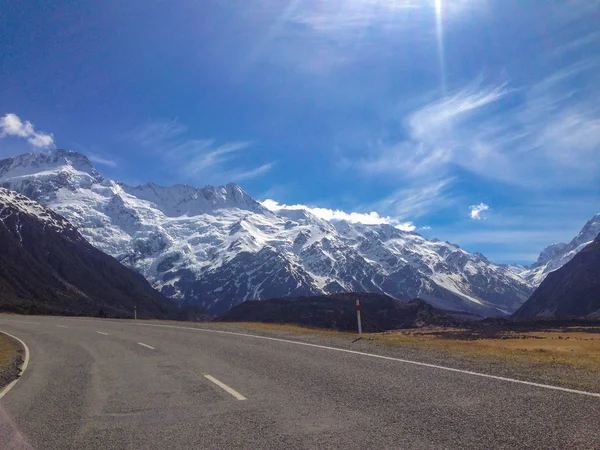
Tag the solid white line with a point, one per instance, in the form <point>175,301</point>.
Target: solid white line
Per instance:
<point>100,332</point>
<point>20,321</point>
<point>147,346</point>
<point>371,355</point>
<point>223,386</point>
<point>9,386</point>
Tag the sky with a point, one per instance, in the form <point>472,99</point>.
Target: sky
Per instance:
<point>472,121</point>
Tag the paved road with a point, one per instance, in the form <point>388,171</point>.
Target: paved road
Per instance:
<point>91,384</point>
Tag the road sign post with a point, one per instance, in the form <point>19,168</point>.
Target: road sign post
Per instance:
<point>358,318</point>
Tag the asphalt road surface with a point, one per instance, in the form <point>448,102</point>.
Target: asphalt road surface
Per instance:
<point>100,384</point>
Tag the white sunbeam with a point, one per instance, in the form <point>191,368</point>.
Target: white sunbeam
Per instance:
<point>440,45</point>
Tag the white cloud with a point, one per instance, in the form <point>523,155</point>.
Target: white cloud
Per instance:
<point>478,210</point>
<point>12,125</point>
<point>371,218</point>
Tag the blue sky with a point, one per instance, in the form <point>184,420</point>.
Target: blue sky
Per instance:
<point>476,121</point>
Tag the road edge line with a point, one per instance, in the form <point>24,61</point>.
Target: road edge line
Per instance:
<point>23,367</point>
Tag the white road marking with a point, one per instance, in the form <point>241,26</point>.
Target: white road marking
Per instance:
<point>9,386</point>
<point>20,321</point>
<point>223,386</point>
<point>146,345</point>
<point>100,332</point>
<point>61,326</point>
<point>371,355</point>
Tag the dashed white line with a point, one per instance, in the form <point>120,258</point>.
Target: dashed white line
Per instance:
<point>9,386</point>
<point>100,332</point>
<point>61,326</point>
<point>226,388</point>
<point>146,345</point>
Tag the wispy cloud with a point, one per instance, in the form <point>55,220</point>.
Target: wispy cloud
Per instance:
<point>417,200</point>
<point>526,136</point>
<point>158,132</point>
<point>476,211</point>
<point>241,175</point>
<point>12,125</point>
<point>95,158</point>
<point>195,158</point>
<point>370,218</point>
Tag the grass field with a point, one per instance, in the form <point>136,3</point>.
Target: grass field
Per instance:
<point>7,349</point>
<point>578,348</point>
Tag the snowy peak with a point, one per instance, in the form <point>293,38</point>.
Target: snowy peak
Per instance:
<point>230,196</point>
<point>15,204</point>
<point>182,199</point>
<point>588,233</point>
<point>40,175</point>
<point>52,161</point>
<point>557,255</point>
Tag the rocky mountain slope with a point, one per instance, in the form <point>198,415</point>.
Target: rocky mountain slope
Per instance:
<point>378,312</point>
<point>46,266</point>
<point>216,247</point>
<point>557,255</point>
<point>571,291</point>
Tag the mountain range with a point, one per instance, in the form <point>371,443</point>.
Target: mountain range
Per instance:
<point>216,247</point>
<point>557,255</point>
<point>572,290</point>
<point>46,266</point>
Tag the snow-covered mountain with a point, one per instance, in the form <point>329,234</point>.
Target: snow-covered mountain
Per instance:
<point>216,246</point>
<point>46,266</point>
<point>557,255</point>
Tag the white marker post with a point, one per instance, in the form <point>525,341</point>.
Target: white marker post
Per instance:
<point>134,312</point>
<point>358,318</point>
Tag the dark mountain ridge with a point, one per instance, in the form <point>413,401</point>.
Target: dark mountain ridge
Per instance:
<point>338,311</point>
<point>571,291</point>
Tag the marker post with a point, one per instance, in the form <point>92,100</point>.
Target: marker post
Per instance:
<point>358,319</point>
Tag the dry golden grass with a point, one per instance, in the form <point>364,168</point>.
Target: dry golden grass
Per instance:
<point>578,349</point>
<point>7,349</point>
<point>573,348</point>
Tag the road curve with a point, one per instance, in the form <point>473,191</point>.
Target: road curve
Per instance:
<point>100,384</point>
